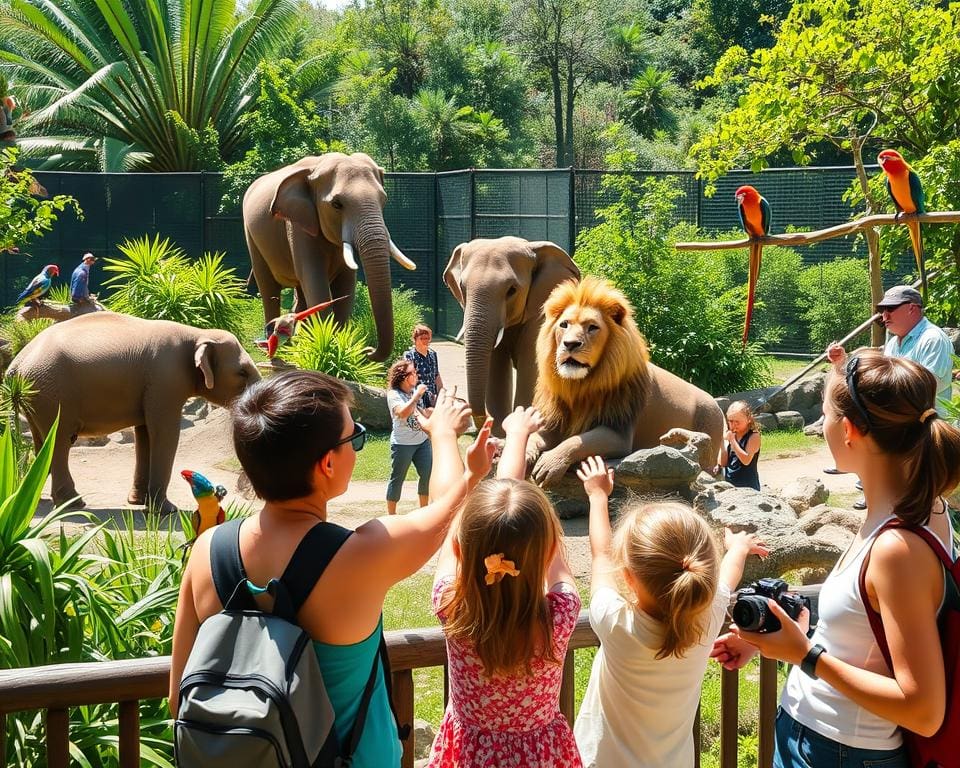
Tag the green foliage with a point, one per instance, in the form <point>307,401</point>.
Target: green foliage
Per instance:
<point>15,395</point>
<point>651,98</point>
<point>674,294</point>
<point>156,280</point>
<point>166,80</point>
<point>321,345</point>
<point>23,214</point>
<point>18,334</point>
<point>836,299</point>
<point>406,314</point>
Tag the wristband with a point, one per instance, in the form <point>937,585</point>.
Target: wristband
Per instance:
<point>809,663</point>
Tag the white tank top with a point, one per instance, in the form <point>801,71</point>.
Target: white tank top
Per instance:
<point>844,631</point>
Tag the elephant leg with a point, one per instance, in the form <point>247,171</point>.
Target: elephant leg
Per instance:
<point>344,284</point>
<point>62,485</point>
<point>163,429</point>
<point>499,389</point>
<point>141,471</point>
<point>310,266</point>
<point>525,361</point>
<point>299,300</point>
<point>267,284</point>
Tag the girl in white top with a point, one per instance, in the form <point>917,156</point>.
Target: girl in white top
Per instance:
<point>644,687</point>
<point>841,698</point>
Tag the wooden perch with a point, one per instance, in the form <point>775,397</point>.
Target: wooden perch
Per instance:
<point>840,230</point>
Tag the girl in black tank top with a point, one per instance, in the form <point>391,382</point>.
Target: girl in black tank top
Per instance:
<point>740,453</point>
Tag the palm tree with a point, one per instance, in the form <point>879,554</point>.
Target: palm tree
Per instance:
<point>448,126</point>
<point>152,84</point>
<point>651,99</point>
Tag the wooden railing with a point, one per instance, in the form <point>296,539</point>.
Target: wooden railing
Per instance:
<point>58,687</point>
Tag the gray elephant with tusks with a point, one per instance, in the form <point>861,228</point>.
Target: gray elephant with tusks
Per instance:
<point>502,285</point>
<point>305,225</point>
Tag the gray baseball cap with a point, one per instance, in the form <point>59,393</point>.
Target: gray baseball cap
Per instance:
<point>900,294</point>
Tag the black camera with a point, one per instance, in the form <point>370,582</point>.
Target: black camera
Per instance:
<point>752,613</point>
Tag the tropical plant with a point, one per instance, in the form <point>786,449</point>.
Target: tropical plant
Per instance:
<point>24,213</point>
<point>156,280</point>
<point>157,84</point>
<point>651,101</point>
<point>322,345</point>
<point>19,333</point>
<point>406,314</point>
<point>15,394</point>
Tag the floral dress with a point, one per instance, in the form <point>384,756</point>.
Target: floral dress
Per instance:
<point>507,721</point>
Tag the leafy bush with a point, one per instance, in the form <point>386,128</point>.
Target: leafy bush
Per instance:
<point>320,345</point>
<point>156,280</point>
<point>19,334</point>
<point>835,300</point>
<point>676,295</point>
<point>406,314</point>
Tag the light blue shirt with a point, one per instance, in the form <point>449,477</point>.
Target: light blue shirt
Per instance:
<point>928,345</point>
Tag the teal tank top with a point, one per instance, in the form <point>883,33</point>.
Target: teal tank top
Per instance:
<point>345,671</point>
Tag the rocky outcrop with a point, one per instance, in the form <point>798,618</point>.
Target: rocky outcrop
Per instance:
<point>58,312</point>
<point>804,493</point>
<point>370,406</point>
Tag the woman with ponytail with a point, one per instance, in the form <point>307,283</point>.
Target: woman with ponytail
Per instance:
<point>841,697</point>
<point>655,638</point>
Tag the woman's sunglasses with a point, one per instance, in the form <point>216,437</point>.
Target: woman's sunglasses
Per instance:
<point>852,364</point>
<point>357,438</point>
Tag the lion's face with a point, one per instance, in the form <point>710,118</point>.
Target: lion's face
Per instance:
<point>580,336</point>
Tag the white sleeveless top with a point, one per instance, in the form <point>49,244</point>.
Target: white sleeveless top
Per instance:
<point>844,631</point>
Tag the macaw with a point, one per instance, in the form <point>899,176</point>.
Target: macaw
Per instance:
<point>905,189</point>
<point>754,213</point>
<point>209,512</point>
<point>39,286</point>
<point>280,329</point>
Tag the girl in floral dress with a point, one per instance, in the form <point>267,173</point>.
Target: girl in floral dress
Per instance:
<point>508,605</point>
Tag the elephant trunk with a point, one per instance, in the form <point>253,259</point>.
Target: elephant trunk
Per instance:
<point>481,334</point>
<point>373,243</point>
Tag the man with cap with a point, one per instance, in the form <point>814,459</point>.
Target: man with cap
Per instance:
<point>80,280</point>
<point>910,335</point>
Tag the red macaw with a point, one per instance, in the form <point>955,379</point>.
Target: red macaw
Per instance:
<point>905,189</point>
<point>280,329</point>
<point>754,213</point>
<point>209,512</point>
<point>37,288</point>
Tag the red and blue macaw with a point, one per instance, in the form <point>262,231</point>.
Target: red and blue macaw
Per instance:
<point>754,213</point>
<point>905,189</point>
<point>38,287</point>
<point>209,512</point>
<point>280,329</point>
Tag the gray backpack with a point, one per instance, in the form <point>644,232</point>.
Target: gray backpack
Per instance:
<point>252,692</point>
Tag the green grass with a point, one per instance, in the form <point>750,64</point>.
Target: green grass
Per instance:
<point>782,368</point>
<point>373,462</point>
<point>788,444</point>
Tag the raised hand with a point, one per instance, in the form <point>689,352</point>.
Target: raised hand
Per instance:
<point>596,477</point>
<point>480,453</point>
<point>524,421</point>
<point>448,413</point>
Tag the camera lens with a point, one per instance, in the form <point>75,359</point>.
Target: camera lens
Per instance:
<point>750,612</point>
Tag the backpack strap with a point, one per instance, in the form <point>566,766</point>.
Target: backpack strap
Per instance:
<point>310,559</point>
<point>226,567</point>
<point>403,731</point>
<point>950,585</point>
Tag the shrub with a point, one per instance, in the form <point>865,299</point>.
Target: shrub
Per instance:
<point>406,314</point>
<point>676,295</point>
<point>320,345</point>
<point>157,281</point>
<point>19,334</point>
<point>835,300</point>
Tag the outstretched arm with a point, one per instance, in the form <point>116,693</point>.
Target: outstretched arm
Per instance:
<point>739,546</point>
<point>597,481</point>
<point>518,427</point>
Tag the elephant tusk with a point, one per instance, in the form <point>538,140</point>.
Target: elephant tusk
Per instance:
<point>460,332</point>
<point>499,339</point>
<point>348,256</point>
<point>402,260</point>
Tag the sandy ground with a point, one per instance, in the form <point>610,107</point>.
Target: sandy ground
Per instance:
<point>103,474</point>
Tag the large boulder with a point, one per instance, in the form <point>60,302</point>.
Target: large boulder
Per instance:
<point>370,406</point>
<point>804,493</point>
<point>954,335</point>
<point>804,397</point>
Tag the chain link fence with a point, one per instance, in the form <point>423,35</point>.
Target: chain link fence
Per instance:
<point>427,214</point>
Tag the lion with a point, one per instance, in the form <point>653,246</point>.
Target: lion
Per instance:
<point>597,390</point>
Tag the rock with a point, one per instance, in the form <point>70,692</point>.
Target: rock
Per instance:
<point>91,441</point>
<point>723,402</point>
<point>804,493</point>
<point>814,429</point>
<point>789,420</point>
<point>370,406</point>
<point>196,407</point>
<point>695,445</point>
<point>805,397</point>
<point>766,421</point>
<point>422,739</point>
<point>6,355</point>
<point>821,515</point>
<point>122,437</point>
<point>954,335</point>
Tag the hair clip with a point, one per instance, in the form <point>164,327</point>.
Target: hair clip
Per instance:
<point>497,568</point>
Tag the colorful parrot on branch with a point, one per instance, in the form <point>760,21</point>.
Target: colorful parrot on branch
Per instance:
<point>280,329</point>
<point>39,286</point>
<point>754,213</point>
<point>209,512</point>
<point>905,189</point>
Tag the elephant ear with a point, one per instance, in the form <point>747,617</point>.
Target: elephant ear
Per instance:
<point>554,266</point>
<point>203,359</point>
<point>451,275</point>
<point>293,201</point>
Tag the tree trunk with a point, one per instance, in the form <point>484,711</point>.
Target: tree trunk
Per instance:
<point>558,112</point>
<point>570,158</point>
<point>877,336</point>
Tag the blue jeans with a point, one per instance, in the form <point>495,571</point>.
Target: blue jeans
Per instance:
<point>799,747</point>
<point>400,458</point>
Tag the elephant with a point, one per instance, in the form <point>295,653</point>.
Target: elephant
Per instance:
<point>106,371</point>
<point>303,224</point>
<point>502,284</point>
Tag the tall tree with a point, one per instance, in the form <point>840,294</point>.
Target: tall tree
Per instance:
<point>859,75</point>
<point>166,79</point>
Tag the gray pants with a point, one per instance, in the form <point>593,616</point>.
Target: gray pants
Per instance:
<point>400,458</point>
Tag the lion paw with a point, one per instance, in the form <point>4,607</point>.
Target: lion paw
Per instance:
<point>549,468</point>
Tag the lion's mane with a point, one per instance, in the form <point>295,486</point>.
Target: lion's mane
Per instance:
<point>615,389</point>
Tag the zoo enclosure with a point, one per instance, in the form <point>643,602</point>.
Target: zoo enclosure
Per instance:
<point>427,214</point>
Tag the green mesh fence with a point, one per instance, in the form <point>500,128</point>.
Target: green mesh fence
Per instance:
<point>428,214</point>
